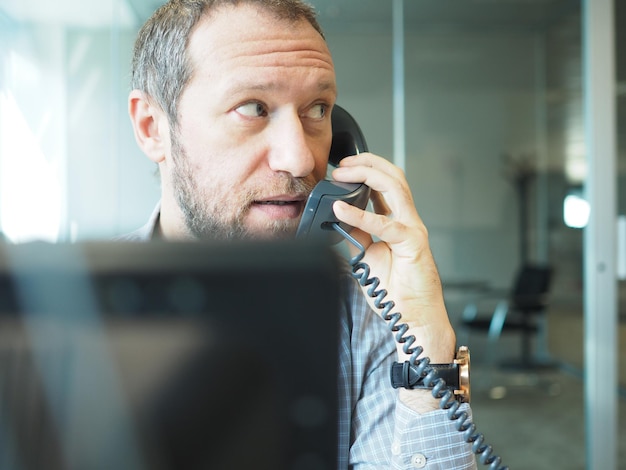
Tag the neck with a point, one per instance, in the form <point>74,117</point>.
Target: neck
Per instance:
<point>171,224</point>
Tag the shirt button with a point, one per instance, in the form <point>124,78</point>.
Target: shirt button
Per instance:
<point>418,461</point>
<point>395,448</point>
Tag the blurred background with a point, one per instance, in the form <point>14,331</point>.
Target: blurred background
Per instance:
<point>480,101</point>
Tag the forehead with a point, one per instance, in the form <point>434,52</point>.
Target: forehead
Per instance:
<point>248,36</point>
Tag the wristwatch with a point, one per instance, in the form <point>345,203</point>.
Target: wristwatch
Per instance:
<point>456,375</point>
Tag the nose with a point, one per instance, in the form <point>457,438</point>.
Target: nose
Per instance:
<point>290,149</point>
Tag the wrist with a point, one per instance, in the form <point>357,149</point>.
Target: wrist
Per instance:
<point>441,378</point>
<point>438,343</point>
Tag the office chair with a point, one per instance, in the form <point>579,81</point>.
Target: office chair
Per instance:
<point>521,311</point>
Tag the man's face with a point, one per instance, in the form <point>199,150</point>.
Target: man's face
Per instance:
<point>254,127</point>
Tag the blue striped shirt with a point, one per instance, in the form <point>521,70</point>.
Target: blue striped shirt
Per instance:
<point>376,430</point>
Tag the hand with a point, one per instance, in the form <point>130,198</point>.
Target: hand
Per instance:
<point>401,257</point>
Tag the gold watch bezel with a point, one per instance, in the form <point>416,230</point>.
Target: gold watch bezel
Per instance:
<point>463,394</point>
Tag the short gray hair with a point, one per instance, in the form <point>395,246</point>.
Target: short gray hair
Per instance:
<point>161,67</point>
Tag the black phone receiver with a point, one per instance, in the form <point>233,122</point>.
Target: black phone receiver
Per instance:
<point>318,217</point>
<point>347,136</point>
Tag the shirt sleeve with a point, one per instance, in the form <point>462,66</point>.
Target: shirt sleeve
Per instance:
<point>429,441</point>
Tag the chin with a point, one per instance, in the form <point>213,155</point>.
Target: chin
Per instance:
<point>279,230</point>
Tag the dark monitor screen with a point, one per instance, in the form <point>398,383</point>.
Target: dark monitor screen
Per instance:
<point>168,356</point>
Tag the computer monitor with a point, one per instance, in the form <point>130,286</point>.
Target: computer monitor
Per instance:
<point>168,356</point>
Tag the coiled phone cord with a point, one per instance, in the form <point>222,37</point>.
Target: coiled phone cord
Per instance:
<point>361,272</point>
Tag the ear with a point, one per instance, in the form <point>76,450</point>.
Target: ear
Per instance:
<point>150,125</point>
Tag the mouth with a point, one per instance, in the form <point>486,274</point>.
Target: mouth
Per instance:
<point>281,207</point>
<point>277,203</point>
<point>282,200</point>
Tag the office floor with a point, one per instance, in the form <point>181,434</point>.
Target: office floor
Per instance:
<point>536,421</point>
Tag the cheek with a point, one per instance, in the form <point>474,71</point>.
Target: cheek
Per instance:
<point>321,152</point>
<point>321,169</point>
<point>204,151</point>
<point>219,172</point>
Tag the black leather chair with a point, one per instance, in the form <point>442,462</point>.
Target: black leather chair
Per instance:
<point>521,311</point>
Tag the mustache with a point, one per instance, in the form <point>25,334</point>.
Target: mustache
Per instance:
<point>284,184</point>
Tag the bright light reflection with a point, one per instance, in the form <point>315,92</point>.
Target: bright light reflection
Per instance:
<point>575,211</point>
<point>30,195</point>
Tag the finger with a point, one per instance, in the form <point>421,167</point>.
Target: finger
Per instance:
<point>377,172</point>
<point>391,195</point>
<point>377,225</point>
<point>373,161</point>
<point>375,178</point>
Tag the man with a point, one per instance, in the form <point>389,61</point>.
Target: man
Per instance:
<point>232,99</point>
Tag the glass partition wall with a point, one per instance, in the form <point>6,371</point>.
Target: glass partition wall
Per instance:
<point>497,158</point>
<point>494,150</point>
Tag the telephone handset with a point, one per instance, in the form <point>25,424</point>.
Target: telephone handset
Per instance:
<point>318,217</point>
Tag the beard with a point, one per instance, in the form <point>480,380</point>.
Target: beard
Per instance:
<point>218,211</point>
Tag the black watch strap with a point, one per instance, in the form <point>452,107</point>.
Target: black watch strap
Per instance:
<point>456,375</point>
<point>405,375</point>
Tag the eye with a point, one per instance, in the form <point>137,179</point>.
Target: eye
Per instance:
<point>317,111</point>
<point>253,109</point>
